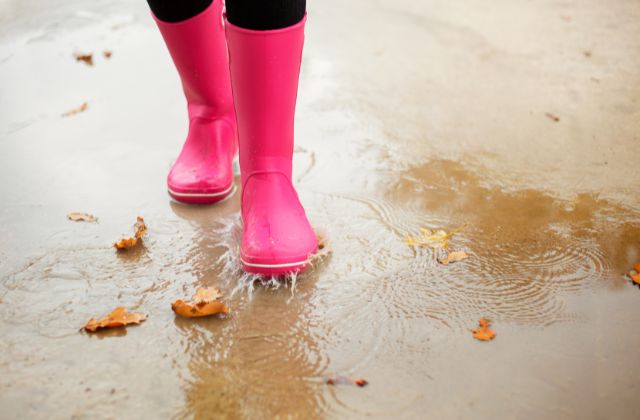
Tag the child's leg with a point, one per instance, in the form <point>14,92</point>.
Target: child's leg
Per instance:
<point>265,14</point>
<point>176,10</point>
<point>194,34</point>
<point>265,63</point>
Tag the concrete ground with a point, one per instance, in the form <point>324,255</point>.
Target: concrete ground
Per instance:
<point>517,122</point>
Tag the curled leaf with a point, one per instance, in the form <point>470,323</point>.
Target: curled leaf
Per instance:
<point>76,110</point>
<point>453,257</point>
<point>85,58</point>
<point>204,303</point>
<point>81,217</point>
<point>126,242</point>
<point>483,333</point>
<point>119,317</point>
<point>196,310</point>
<point>343,380</point>
<point>139,230</point>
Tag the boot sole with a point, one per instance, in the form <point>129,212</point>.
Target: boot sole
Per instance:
<point>275,269</point>
<point>203,198</point>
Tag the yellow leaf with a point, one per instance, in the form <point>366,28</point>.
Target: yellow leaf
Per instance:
<point>453,257</point>
<point>431,238</point>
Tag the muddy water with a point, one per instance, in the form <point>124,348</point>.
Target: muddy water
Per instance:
<point>411,114</point>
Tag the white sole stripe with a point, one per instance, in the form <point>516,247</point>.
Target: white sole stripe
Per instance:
<point>296,264</point>
<point>204,195</point>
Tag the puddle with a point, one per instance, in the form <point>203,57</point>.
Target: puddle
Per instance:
<point>445,127</point>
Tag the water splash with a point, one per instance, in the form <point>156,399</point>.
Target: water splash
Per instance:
<point>228,234</point>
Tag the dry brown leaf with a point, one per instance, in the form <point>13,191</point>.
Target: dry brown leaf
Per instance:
<point>322,241</point>
<point>76,110</point>
<point>206,294</point>
<point>85,58</point>
<point>107,54</point>
<point>343,380</point>
<point>139,230</point>
<point>196,310</point>
<point>119,317</point>
<point>453,257</point>
<point>483,333</point>
<point>552,117</point>
<point>82,217</point>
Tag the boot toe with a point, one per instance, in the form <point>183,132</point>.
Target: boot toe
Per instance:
<point>277,237</point>
<point>200,185</point>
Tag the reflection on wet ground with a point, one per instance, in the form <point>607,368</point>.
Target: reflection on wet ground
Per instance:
<point>549,241</point>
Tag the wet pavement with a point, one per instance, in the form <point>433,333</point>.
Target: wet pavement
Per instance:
<point>518,122</point>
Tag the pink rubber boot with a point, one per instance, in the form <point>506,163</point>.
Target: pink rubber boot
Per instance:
<point>277,237</point>
<point>203,172</point>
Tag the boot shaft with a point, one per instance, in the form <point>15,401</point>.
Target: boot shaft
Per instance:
<point>265,67</point>
<point>199,51</point>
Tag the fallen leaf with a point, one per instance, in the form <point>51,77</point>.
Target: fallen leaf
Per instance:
<point>322,241</point>
<point>85,58</point>
<point>552,117</point>
<point>637,267</point>
<point>361,382</point>
<point>139,230</point>
<point>76,110</point>
<point>483,333</point>
<point>343,380</point>
<point>126,242</point>
<point>196,310</point>
<point>82,217</point>
<point>431,238</point>
<point>635,278</point>
<point>119,317</point>
<point>205,303</point>
<point>107,54</point>
<point>206,294</point>
<point>453,257</point>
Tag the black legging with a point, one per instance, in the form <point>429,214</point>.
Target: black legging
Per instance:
<point>249,14</point>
